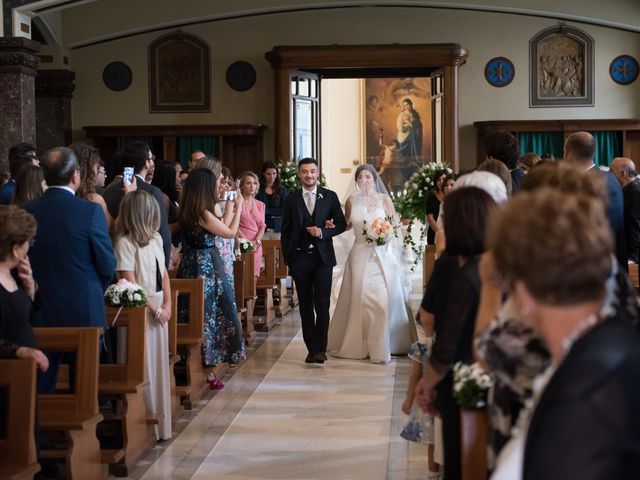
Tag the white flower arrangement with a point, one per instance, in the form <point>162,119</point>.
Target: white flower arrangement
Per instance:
<point>470,385</point>
<point>125,294</point>
<point>245,245</point>
<point>380,231</point>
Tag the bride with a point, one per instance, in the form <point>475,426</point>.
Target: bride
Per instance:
<point>371,318</point>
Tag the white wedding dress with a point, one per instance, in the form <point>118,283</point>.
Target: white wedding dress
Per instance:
<point>371,318</point>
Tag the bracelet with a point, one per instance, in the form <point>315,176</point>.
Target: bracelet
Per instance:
<point>158,312</point>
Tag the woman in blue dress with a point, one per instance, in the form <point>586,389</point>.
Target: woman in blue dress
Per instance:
<point>223,342</point>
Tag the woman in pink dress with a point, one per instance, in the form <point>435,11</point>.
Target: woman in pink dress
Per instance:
<point>252,223</point>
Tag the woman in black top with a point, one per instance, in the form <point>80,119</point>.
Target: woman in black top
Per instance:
<point>17,292</point>
<point>272,194</point>
<point>433,204</point>
<point>467,209</point>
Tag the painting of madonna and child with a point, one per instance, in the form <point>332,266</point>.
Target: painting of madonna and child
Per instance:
<point>398,127</point>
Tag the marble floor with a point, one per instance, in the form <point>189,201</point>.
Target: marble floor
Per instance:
<point>278,417</point>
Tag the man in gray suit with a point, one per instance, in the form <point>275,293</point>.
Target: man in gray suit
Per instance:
<point>138,155</point>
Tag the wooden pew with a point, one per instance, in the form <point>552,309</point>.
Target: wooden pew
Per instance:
<point>18,448</point>
<point>282,305</point>
<point>76,413</point>
<point>473,444</point>
<point>125,383</point>
<point>634,277</point>
<point>189,340</point>
<point>264,311</point>
<point>174,357</point>
<point>248,333</point>
<point>428,259</point>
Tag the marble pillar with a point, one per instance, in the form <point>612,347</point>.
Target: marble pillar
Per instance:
<point>54,90</point>
<point>18,63</point>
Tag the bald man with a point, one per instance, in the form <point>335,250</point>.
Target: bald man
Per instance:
<point>580,150</point>
<point>624,169</point>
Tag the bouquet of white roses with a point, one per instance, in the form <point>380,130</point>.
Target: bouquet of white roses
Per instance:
<point>125,294</point>
<point>245,245</point>
<point>470,385</point>
<point>380,231</point>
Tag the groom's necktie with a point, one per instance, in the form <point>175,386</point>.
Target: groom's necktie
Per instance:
<point>308,200</point>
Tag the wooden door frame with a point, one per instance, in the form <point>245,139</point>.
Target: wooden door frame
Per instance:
<point>448,56</point>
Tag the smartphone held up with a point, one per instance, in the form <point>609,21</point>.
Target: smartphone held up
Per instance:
<point>127,175</point>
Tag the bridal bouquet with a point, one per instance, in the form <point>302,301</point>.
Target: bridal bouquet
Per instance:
<point>470,385</point>
<point>380,231</point>
<point>125,294</point>
<point>245,245</point>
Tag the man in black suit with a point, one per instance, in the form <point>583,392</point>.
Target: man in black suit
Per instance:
<point>625,172</point>
<point>311,217</point>
<point>138,155</point>
<point>72,257</point>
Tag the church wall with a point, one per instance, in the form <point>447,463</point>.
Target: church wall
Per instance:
<point>485,35</point>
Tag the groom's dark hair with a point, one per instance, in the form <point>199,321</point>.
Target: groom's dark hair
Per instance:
<point>305,161</point>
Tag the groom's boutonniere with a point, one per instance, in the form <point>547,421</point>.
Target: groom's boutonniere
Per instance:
<point>320,197</point>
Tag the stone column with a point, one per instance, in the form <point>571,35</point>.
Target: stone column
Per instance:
<point>18,63</point>
<point>54,90</point>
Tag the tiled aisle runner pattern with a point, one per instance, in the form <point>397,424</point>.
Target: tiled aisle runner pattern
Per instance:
<point>309,422</point>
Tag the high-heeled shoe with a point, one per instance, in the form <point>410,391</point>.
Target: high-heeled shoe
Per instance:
<point>215,383</point>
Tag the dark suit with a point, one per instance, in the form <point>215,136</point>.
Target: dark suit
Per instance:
<point>311,260</point>
<point>615,215</point>
<point>587,423</point>
<point>113,195</point>
<point>631,195</point>
<point>72,261</point>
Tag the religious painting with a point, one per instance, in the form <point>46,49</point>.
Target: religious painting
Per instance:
<point>561,60</point>
<point>397,127</point>
<point>179,74</point>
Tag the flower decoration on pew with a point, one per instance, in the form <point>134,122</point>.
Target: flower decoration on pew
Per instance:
<point>380,231</point>
<point>245,246</point>
<point>470,385</point>
<point>125,294</point>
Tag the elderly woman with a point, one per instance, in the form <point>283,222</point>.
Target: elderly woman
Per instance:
<point>454,309</point>
<point>585,419</point>
<point>252,223</point>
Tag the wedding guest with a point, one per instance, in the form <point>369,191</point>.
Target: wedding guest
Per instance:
<point>164,178</point>
<point>17,293</point>
<point>101,179</point>
<point>468,210</point>
<point>19,155</point>
<point>556,260</point>
<point>210,163</point>
<point>252,223</point>
<point>272,194</point>
<point>201,259</point>
<point>138,248</point>
<point>503,146</point>
<point>72,253</point>
<point>30,184</point>
<point>497,168</point>
<point>89,161</point>
<point>433,204</point>
<point>528,160</point>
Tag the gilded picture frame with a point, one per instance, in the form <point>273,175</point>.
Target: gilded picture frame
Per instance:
<point>179,74</point>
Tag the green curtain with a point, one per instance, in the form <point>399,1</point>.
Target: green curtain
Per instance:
<point>608,147</point>
<point>188,144</point>
<point>541,143</point>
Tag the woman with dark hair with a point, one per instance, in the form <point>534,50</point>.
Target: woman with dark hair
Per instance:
<point>89,161</point>
<point>223,340</point>
<point>272,194</point>
<point>433,204</point>
<point>468,210</point>
<point>164,177</point>
<point>30,184</point>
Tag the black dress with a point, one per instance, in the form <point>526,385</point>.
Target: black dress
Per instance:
<point>454,328</point>
<point>433,208</point>
<point>273,204</point>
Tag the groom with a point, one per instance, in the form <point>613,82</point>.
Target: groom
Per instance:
<point>310,218</point>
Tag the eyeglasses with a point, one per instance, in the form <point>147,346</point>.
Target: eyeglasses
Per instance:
<point>102,171</point>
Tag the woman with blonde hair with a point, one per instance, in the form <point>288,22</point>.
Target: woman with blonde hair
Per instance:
<point>252,217</point>
<point>138,248</point>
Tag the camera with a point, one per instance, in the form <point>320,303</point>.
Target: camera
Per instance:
<point>231,195</point>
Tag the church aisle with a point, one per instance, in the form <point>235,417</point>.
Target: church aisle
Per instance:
<point>278,417</point>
